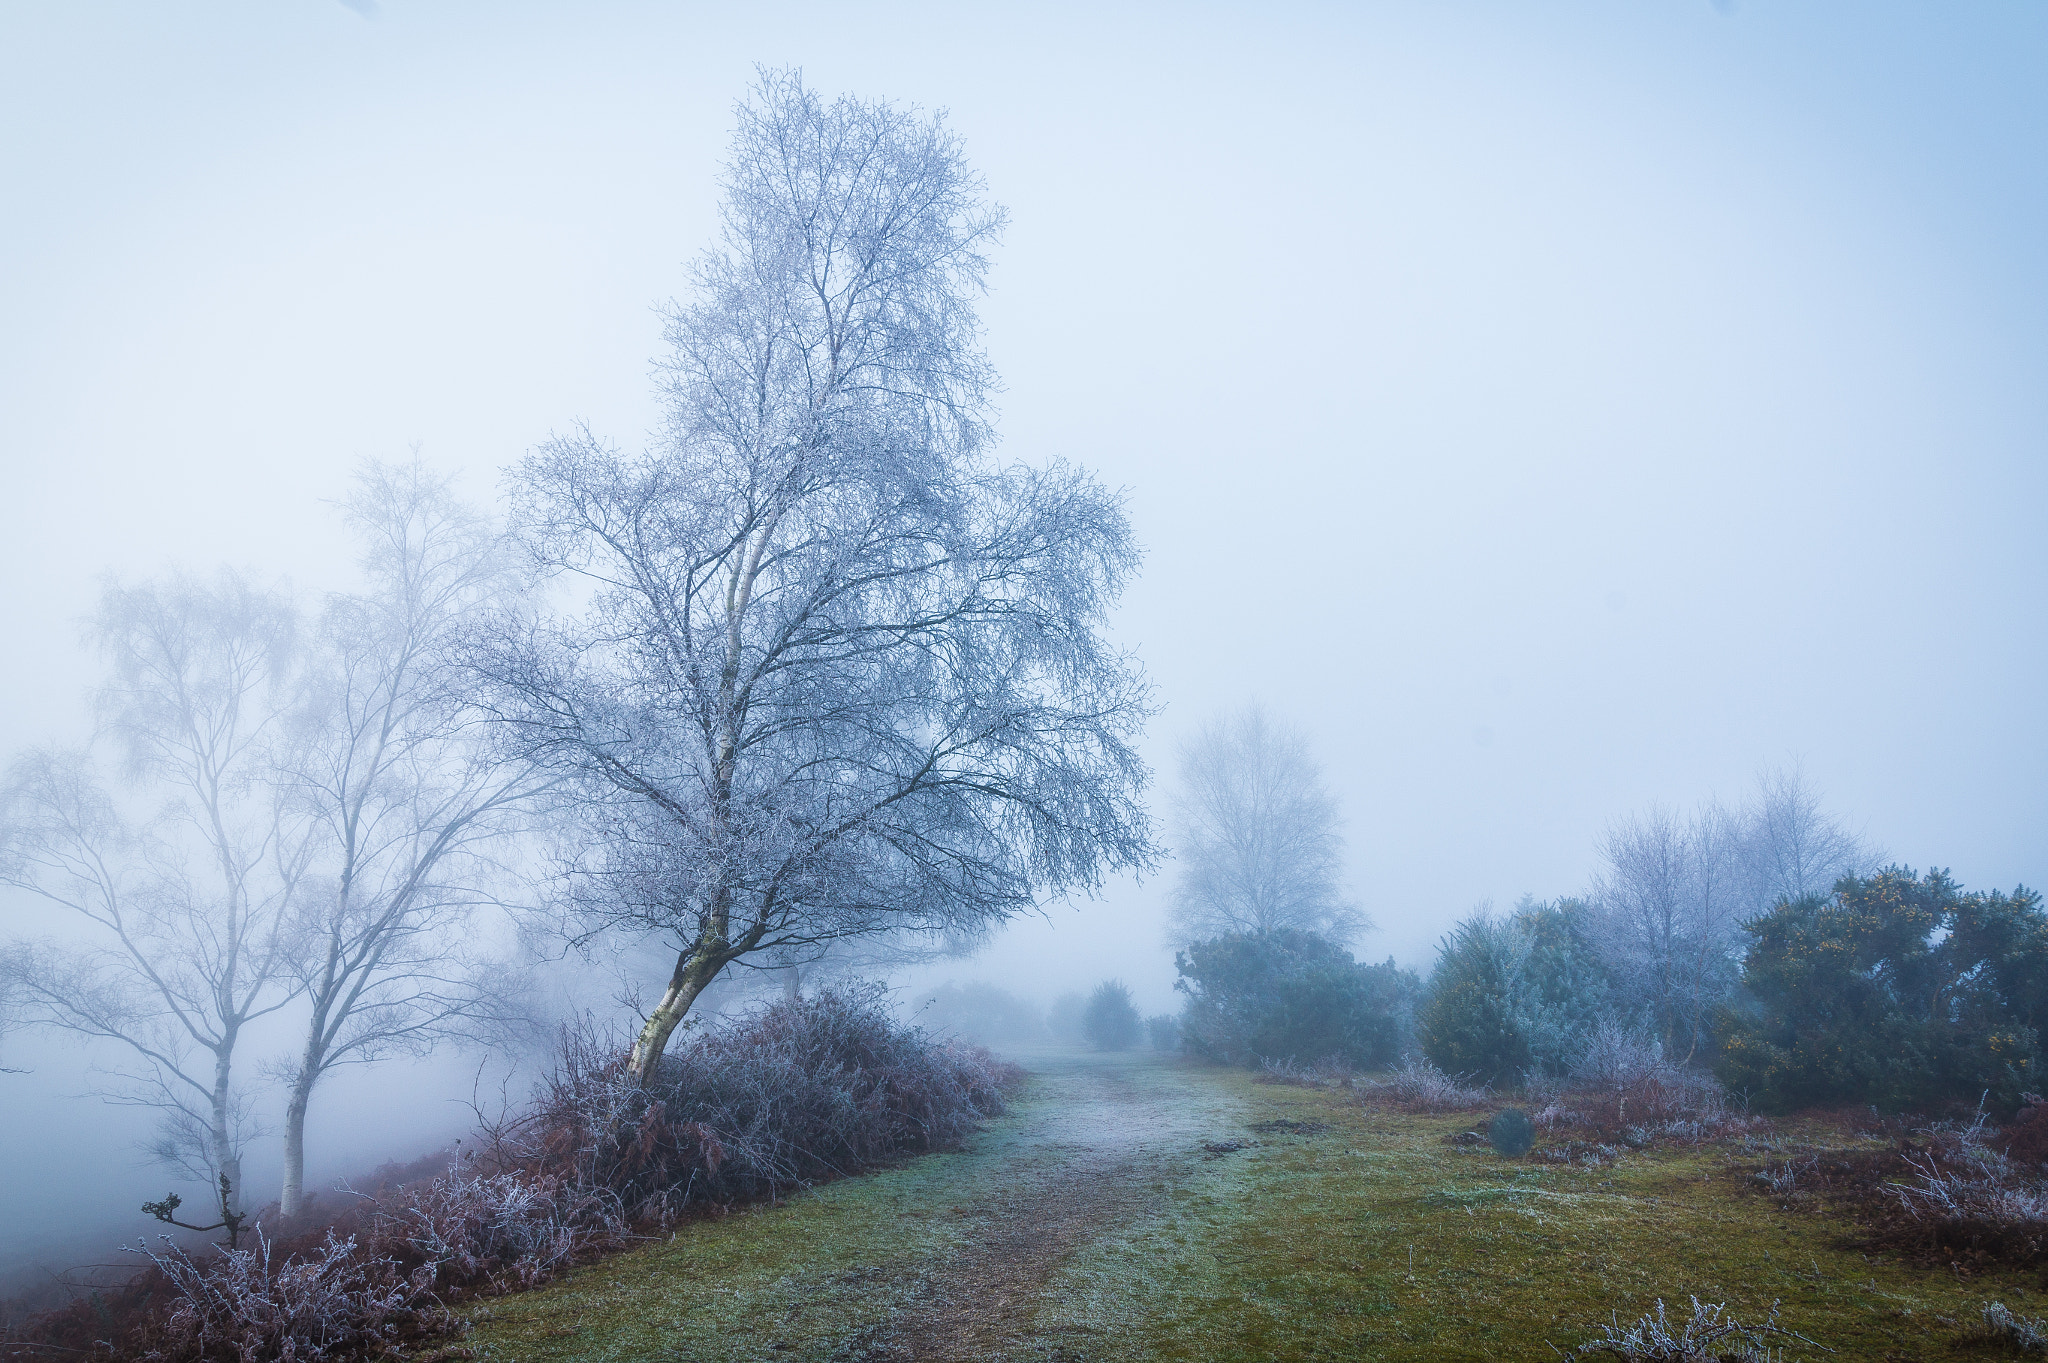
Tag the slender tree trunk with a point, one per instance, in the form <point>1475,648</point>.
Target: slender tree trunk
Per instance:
<point>219,1133</point>
<point>293,1198</point>
<point>695,969</point>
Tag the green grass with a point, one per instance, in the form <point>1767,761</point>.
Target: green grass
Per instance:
<point>1299,1247</point>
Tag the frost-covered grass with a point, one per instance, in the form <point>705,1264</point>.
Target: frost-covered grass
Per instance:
<point>1373,1237</point>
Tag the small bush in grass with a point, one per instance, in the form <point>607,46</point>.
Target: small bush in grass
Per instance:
<point>1710,1335</point>
<point>2028,1334</point>
<point>1111,1022</point>
<point>1511,1133</point>
<point>1163,1029</point>
<point>1422,1087</point>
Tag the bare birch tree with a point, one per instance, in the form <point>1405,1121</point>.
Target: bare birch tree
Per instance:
<point>1257,836</point>
<point>187,915</point>
<point>1792,847</point>
<point>408,801</point>
<point>1676,891</point>
<point>1671,901</point>
<point>841,673</point>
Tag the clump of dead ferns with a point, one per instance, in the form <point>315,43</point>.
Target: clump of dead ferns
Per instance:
<point>1709,1335</point>
<point>1943,1192</point>
<point>1967,1194</point>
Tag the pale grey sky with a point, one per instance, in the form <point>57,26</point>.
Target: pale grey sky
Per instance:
<point>1555,409</point>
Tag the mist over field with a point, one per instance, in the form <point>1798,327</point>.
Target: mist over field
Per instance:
<point>1552,426</point>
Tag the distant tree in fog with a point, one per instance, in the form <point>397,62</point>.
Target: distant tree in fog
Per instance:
<point>840,673</point>
<point>979,1012</point>
<point>408,801</point>
<point>1792,848</point>
<point>1111,1022</point>
<point>1676,890</point>
<point>1672,897</point>
<point>12,960</point>
<point>1257,838</point>
<point>187,912</point>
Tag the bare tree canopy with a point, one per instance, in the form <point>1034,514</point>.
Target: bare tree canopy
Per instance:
<point>1791,847</point>
<point>1676,890</point>
<point>189,912</point>
<point>1256,835</point>
<point>840,672</point>
<point>408,802</point>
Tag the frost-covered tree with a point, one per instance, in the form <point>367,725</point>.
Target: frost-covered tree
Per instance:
<point>1793,848</point>
<point>186,909</point>
<point>840,671</point>
<point>1676,890</point>
<point>1256,834</point>
<point>408,800</point>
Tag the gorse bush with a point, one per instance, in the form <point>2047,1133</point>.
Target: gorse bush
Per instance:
<point>1111,1021</point>
<point>1163,1031</point>
<point>1896,990</point>
<point>1292,995</point>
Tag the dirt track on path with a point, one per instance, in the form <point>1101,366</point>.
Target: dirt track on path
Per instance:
<point>1103,1149</point>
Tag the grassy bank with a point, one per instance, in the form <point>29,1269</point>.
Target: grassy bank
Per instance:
<point>1373,1238</point>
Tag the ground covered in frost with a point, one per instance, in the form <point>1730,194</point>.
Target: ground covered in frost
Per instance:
<point>1135,1208</point>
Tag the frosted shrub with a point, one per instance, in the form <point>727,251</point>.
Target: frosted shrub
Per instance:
<point>1960,1180</point>
<point>1624,1089</point>
<point>238,1304</point>
<point>1710,1335</point>
<point>1422,1086</point>
<point>2028,1334</point>
<point>800,1090</point>
<point>513,1230</point>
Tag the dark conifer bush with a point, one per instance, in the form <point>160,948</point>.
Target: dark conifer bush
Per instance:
<point>1290,995</point>
<point>1513,996</point>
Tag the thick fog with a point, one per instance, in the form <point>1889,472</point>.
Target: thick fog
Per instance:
<point>1549,413</point>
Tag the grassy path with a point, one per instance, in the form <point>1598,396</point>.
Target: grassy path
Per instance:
<point>1091,1224</point>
